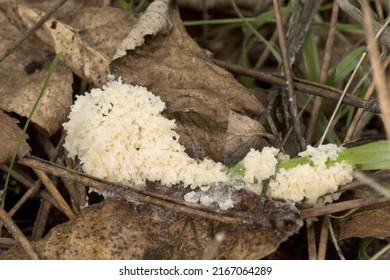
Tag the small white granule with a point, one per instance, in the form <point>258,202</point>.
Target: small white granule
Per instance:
<point>259,166</point>
<point>119,134</point>
<point>320,155</point>
<point>218,195</point>
<point>308,182</point>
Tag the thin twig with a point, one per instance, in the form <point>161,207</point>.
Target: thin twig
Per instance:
<point>212,250</point>
<point>371,182</point>
<point>304,86</point>
<point>324,236</point>
<point>334,239</point>
<point>7,242</point>
<point>18,235</point>
<point>381,252</point>
<point>174,204</point>
<point>311,241</point>
<point>357,15</point>
<point>23,199</point>
<point>41,219</point>
<point>37,25</point>
<point>55,193</point>
<point>324,72</point>
<point>292,102</point>
<point>340,101</point>
<point>342,206</point>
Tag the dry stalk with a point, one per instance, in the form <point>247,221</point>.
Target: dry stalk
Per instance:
<point>342,206</point>
<point>311,241</point>
<point>377,69</point>
<point>324,73</point>
<point>292,101</point>
<point>304,86</point>
<point>324,236</point>
<point>18,235</point>
<point>55,193</point>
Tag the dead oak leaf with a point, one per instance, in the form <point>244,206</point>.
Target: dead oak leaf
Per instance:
<point>9,138</point>
<point>118,229</point>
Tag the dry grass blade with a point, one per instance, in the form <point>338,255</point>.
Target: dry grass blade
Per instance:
<point>311,241</point>
<point>334,239</point>
<point>377,68</point>
<point>156,199</point>
<point>324,235</point>
<point>212,251</point>
<point>342,206</point>
<point>324,72</point>
<point>330,125</point>
<point>381,252</point>
<point>164,201</point>
<point>55,193</point>
<point>303,85</point>
<point>18,235</point>
<point>356,15</point>
<point>292,102</point>
<point>23,199</point>
<point>371,182</point>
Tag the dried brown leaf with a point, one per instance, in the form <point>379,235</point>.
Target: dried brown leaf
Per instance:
<point>117,229</point>
<point>19,89</point>
<point>370,222</point>
<point>153,21</point>
<point>198,94</point>
<point>106,230</point>
<point>101,28</point>
<point>84,61</point>
<point>9,138</point>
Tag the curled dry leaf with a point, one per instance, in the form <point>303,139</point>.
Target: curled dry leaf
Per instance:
<point>9,138</point>
<point>153,21</point>
<point>215,115</point>
<point>23,74</point>
<point>117,229</point>
<point>365,223</point>
<point>84,61</point>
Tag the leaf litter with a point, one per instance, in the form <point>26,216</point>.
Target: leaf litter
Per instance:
<point>19,88</point>
<point>9,138</point>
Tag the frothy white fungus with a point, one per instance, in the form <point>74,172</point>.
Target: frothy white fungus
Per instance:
<point>119,134</point>
<point>310,181</point>
<point>259,166</point>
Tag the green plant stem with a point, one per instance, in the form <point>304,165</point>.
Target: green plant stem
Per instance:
<point>52,67</point>
<point>371,156</point>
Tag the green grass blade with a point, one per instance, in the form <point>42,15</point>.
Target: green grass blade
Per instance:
<point>310,57</point>
<point>366,242</point>
<point>250,27</point>
<point>371,156</point>
<point>126,5</point>
<point>345,67</point>
<point>52,67</point>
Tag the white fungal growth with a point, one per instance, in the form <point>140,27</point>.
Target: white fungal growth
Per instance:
<point>259,166</point>
<point>119,134</point>
<point>312,180</point>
